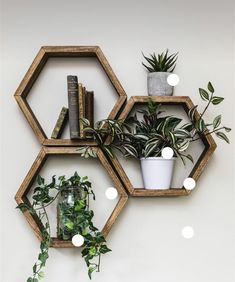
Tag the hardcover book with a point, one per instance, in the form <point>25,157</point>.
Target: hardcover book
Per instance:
<point>89,110</point>
<point>81,102</point>
<point>89,107</point>
<point>72,82</point>
<point>60,124</point>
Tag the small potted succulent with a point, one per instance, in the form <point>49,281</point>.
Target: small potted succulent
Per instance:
<point>159,68</point>
<point>145,138</point>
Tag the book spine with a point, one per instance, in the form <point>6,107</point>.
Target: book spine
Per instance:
<point>73,106</point>
<point>60,124</point>
<point>89,109</point>
<point>81,101</point>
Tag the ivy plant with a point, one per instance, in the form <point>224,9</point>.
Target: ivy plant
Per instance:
<point>80,221</point>
<point>146,136</point>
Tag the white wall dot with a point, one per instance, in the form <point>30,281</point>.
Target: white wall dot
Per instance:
<point>173,79</point>
<point>111,193</point>
<point>187,232</point>
<point>78,240</point>
<point>167,153</point>
<point>189,183</point>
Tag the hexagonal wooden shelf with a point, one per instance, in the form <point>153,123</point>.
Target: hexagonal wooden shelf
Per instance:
<point>32,74</point>
<point>199,166</point>
<point>33,220</point>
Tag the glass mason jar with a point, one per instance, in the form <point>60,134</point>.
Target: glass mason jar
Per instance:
<point>71,201</point>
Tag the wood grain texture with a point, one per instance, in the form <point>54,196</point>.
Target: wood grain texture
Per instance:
<point>32,74</point>
<point>110,73</point>
<point>45,152</point>
<point>199,166</point>
<point>69,142</point>
<point>172,192</point>
<point>31,118</point>
<point>36,67</point>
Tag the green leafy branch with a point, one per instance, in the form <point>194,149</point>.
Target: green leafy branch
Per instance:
<point>148,135</point>
<point>213,127</point>
<point>77,219</point>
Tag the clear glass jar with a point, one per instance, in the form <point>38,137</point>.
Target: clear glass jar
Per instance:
<point>72,199</point>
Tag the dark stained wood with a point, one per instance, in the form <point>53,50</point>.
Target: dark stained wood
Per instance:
<point>31,118</point>
<point>32,74</point>
<point>172,192</point>
<point>198,168</point>
<point>36,67</point>
<point>21,195</point>
<point>69,142</point>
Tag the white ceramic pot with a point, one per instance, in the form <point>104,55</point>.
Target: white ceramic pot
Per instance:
<point>158,85</point>
<point>157,172</point>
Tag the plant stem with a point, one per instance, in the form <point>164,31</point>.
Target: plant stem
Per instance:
<point>208,104</point>
<point>208,133</point>
<point>98,267</point>
<point>49,202</point>
<point>47,219</point>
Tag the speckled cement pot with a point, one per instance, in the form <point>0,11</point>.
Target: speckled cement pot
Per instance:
<point>157,84</point>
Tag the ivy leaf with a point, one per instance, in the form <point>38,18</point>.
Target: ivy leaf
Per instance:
<point>35,268</point>
<point>104,249</point>
<point>217,121</point>
<point>222,136</point>
<point>204,94</point>
<point>23,207</point>
<point>70,225</point>
<point>40,180</point>
<point>30,279</point>
<point>210,87</point>
<point>41,275</point>
<point>217,100</point>
<point>90,270</point>
<point>43,257</point>
<point>92,251</point>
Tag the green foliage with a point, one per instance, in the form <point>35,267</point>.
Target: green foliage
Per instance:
<point>77,219</point>
<point>147,135</point>
<point>213,127</point>
<point>161,63</point>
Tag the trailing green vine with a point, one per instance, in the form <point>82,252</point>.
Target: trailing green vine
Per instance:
<point>76,219</point>
<point>148,134</point>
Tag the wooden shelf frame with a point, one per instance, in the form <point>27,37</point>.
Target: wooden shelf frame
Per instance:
<point>199,166</point>
<point>45,152</point>
<point>33,73</point>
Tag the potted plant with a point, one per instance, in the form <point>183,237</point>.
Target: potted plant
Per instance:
<point>159,68</point>
<point>74,219</point>
<point>145,138</point>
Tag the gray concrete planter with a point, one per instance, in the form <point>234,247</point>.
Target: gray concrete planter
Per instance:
<point>157,84</point>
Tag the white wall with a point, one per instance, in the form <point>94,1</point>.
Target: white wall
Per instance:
<point>146,240</point>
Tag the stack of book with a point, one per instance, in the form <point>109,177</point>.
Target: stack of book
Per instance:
<point>80,105</point>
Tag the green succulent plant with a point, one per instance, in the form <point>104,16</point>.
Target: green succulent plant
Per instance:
<point>161,63</point>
